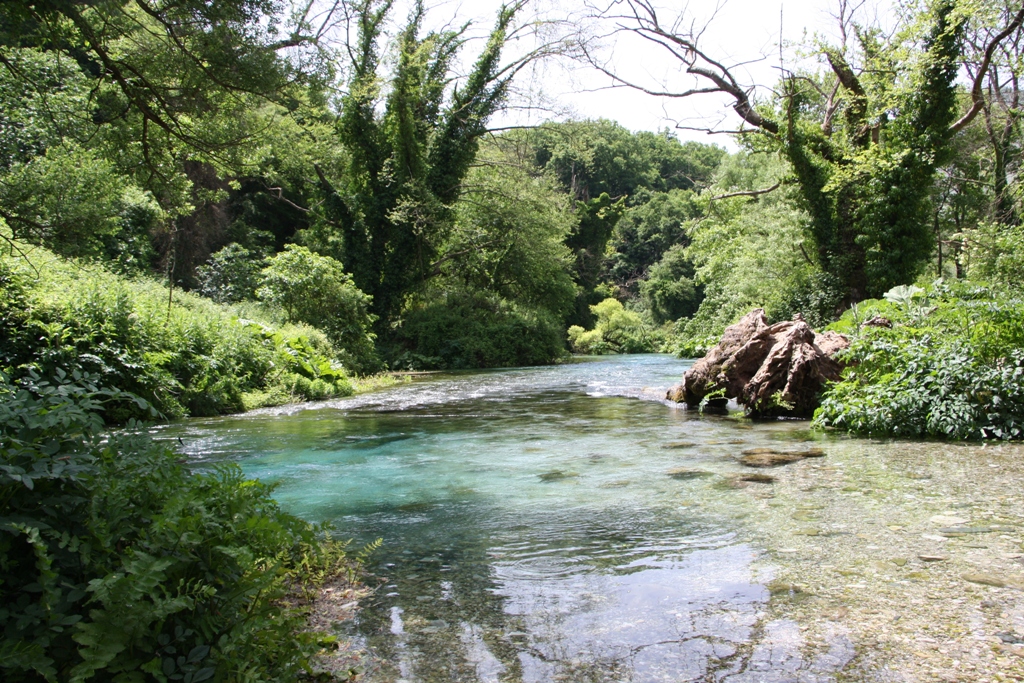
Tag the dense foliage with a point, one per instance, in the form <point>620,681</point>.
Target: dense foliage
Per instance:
<point>476,330</point>
<point>746,253</point>
<point>952,366</point>
<point>316,290</point>
<point>616,331</point>
<point>613,175</point>
<point>184,354</point>
<point>120,564</point>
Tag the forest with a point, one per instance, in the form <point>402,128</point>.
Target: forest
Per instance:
<point>208,208</point>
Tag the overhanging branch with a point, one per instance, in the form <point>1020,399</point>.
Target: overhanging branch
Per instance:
<point>977,97</point>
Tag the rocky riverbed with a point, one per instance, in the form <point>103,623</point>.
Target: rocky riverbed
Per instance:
<point>884,569</point>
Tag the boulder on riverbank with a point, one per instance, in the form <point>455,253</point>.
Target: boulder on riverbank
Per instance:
<point>772,370</point>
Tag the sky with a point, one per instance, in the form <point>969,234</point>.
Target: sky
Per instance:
<point>738,32</point>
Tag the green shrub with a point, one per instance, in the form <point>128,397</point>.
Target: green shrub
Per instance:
<point>995,253</point>
<point>952,366</point>
<point>185,355</point>
<point>73,202</point>
<point>616,331</point>
<point>119,564</point>
<point>477,330</point>
<point>316,290</point>
<point>231,275</point>
<point>686,346</point>
<point>669,290</point>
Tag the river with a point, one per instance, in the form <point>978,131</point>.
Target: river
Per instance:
<point>565,523</point>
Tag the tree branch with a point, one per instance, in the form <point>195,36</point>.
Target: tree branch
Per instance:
<point>977,97</point>
<point>747,193</point>
<point>683,46</point>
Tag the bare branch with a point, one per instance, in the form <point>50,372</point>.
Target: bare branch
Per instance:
<point>641,19</point>
<point>977,96</point>
<point>747,193</point>
<point>278,193</point>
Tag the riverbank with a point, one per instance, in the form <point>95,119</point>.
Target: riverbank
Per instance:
<point>334,604</point>
<point>186,355</point>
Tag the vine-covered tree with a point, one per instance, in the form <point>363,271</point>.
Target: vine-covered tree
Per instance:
<point>411,138</point>
<point>863,139</point>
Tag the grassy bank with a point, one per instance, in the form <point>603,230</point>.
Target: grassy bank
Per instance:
<point>184,354</point>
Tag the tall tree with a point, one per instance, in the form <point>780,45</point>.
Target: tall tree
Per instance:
<point>411,140</point>
<point>997,68</point>
<point>175,97</point>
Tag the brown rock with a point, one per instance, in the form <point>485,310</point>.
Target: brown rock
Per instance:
<point>831,343</point>
<point>687,473</point>
<point>731,364</point>
<point>773,370</point>
<point>770,459</point>
<point>994,581</point>
<point>758,478</point>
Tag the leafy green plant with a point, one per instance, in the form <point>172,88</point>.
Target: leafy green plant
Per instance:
<point>184,354</point>
<point>231,274</point>
<point>669,291</point>
<point>616,331</point>
<point>315,290</point>
<point>716,395</point>
<point>951,370</point>
<point>469,329</point>
<point>995,253</point>
<point>72,201</point>
<point>120,564</point>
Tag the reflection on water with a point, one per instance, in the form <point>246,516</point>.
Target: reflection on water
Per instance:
<point>532,531</point>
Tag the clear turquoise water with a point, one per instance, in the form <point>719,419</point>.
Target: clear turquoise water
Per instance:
<point>531,529</point>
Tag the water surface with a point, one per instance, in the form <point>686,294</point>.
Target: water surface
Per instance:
<point>565,523</point>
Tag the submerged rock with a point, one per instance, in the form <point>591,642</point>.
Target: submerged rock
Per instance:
<point>742,481</point>
<point>757,478</point>
<point>994,580</point>
<point>773,370</point>
<point>687,473</point>
<point>769,457</point>
<point>557,475</point>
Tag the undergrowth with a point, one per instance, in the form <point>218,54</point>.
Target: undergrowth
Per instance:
<point>951,366</point>
<point>118,564</point>
<point>182,353</point>
<point>475,330</point>
<point>615,331</point>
